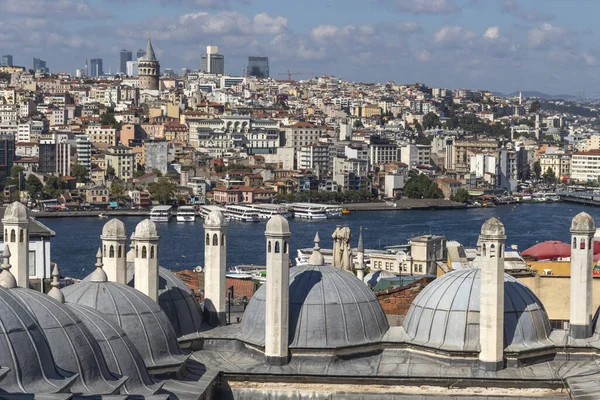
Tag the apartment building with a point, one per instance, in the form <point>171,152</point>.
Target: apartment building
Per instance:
<point>122,159</point>
<point>301,134</point>
<point>585,166</point>
<point>559,163</point>
<point>103,135</point>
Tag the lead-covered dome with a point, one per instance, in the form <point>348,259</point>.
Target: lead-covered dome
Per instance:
<point>72,345</point>
<point>16,212</point>
<point>24,349</point>
<point>583,222</point>
<point>445,315</point>
<point>139,316</point>
<point>329,308</point>
<point>146,230</point>
<point>114,228</point>
<point>215,218</point>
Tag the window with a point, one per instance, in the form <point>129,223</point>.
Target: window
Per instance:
<point>574,243</point>
<point>277,250</point>
<point>13,236</point>
<point>222,240</point>
<point>111,252</point>
<point>144,252</point>
<point>215,240</point>
<point>120,251</point>
<point>582,244</point>
<point>22,234</point>
<point>269,247</point>
<point>285,247</point>
<point>152,252</point>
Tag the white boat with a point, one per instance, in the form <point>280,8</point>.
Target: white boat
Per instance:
<point>267,211</point>
<point>161,213</point>
<point>205,210</point>
<point>311,211</point>
<point>334,211</point>
<point>186,214</point>
<point>241,213</point>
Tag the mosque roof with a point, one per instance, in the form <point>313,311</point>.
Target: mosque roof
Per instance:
<point>329,308</point>
<point>445,315</point>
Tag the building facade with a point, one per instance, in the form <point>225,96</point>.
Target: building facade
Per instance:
<point>212,62</point>
<point>258,67</point>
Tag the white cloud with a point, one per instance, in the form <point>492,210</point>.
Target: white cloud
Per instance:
<point>44,8</point>
<point>424,6</point>
<point>492,33</point>
<point>423,55</point>
<point>449,35</point>
<point>546,35</point>
<point>589,59</point>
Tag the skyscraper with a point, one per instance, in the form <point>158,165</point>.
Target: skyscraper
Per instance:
<point>39,65</point>
<point>140,53</point>
<point>212,62</point>
<point>258,67</point>
<point>7,60</point>
<point>149,69</point>
<point>96,67</point>
<point>126,56</point>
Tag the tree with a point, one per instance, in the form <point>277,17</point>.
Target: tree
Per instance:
<point>117,191</point>
<point>162,190</point>
<point>431,120</point>
<point>110,172</point>
<point>549,176</point>
<point>358,124</point>
<point>53,187</point>
<point>157,172</point>
<point>80,172</point>
<point>34,187</point>
<point>15,171</point>
<point>537,169</point>
<point>418,127</point>
<point>419,186</point>
<point>535,107</point>
<point>461,195</point>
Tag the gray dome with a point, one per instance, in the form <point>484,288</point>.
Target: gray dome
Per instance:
<point>277,225</point>
<point>141,318</point>
<point>445,315</point>
<point>72,345</point>
<point>583,222</point>
<point>493,227</point>
<point>24,349</point>
<point>177,301</point>
<point>119,352</point>
<point>16,212</point>
<point>146,230</point>
<point>215,218</point>
<point>329,308</point>
<point>114,228</point>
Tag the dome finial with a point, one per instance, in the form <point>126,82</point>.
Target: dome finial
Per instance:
<point>316,258</point>
<point>55,292</point>
<point>317,241</point>
<point>7,279</point>
<point>99,275</point>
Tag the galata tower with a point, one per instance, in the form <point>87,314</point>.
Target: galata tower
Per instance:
<point>149,69</point>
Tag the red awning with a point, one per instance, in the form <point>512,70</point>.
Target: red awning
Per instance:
<point>548,250</point>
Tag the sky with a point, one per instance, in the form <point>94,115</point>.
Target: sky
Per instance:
<point>499,45</point>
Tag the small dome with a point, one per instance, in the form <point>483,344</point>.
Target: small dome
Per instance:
<point>72,345</point>
<point>329,308</point>
<point>278,225</point>
<point>115,228</point>
<point>583,222</point>
<point>24,349</point>
<point>16,212</point>
<point>177,301</point>
<point>493,227</point>
<point>146,230</point>
<point>141,318</point>
<point>215,218</point>
<point>445,315</point>
<point>119,352</point>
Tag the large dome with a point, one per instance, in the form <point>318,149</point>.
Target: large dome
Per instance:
<point>445,315</point>
<point>140,317</point>
<point>329,308</point>
<point>24,349</point>
<point>72,345</point>
<point>120,353</point>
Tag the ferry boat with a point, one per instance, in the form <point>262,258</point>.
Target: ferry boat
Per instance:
<point>241,213</point>
<point>309,211</point>
<point>186,214</point>
<point>205,210</point>
<point>161,213</point>
<point>267,211</point>
<point>334,211</point>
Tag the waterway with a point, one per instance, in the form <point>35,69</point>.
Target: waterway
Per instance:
<point>181,246</point>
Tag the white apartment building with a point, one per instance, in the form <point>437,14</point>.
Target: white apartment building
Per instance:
<point>559,163</point>
<point>30,131</point>
<point>350,174</point>
<point>585,166</point>
<point>383,153</point>
<point>483,165</point>
<point>591,143</point>
<point>315,157</point>
<point>415,154</point>
<point>8,113</point>
<point>84,151</point>
<point>301,134</point>
<point>59,116</point>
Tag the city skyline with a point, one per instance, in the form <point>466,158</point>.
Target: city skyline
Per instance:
<point>504,45</point>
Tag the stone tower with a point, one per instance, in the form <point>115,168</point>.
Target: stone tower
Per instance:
<point>145,244</point>
<point>491,303</point>
<point>215,263</point>
<point>114,240</point>
<point>149,69</point>
<point>278,290</point>
<point>16,234</point>
<point>582,262</point>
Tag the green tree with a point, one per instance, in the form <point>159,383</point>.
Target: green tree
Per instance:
<point>117,191</point>
<point>34,187</point>
<point>549,176</point>
<point>15,171</point>
<point>110,172</point>
<point>537,169</point>
<point>80,172</point>
<point>431,120</point>
<point>535,107</point>
<point>419,186</point>
<point>138,172</point>
<point>162,190</point>
<point>358,124</point>
<point>53,187</point>
<point>461,195</point>
<point>157,172</point>
<point>15,196</point>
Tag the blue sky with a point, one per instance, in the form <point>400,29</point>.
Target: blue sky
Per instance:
<point>500,45</point>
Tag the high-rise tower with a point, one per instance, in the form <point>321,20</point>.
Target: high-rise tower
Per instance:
<point>149,69</point>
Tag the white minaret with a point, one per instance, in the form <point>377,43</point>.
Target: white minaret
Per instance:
<point>145,244</point>
<point>278,291</point>
<point>582,262</point>
<point>114,253</point>
<point>491,302</point>
<point>215,263</point>
<point>360,255</point>
<point>16,234</point>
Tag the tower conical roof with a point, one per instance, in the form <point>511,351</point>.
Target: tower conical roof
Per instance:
<point>149,56</point>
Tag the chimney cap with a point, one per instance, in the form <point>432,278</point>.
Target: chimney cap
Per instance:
<point>583,222</point>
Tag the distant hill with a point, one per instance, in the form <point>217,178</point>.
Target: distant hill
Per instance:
<point>545,96</point>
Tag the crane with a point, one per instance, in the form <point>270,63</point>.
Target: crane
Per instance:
<point>289,74</point>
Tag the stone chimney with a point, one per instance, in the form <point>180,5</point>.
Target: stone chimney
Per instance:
<point>16,234</point>
<point>114,241</point>
<point>215,265</point>
<point>145,244</point>
<point>582,263</point>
